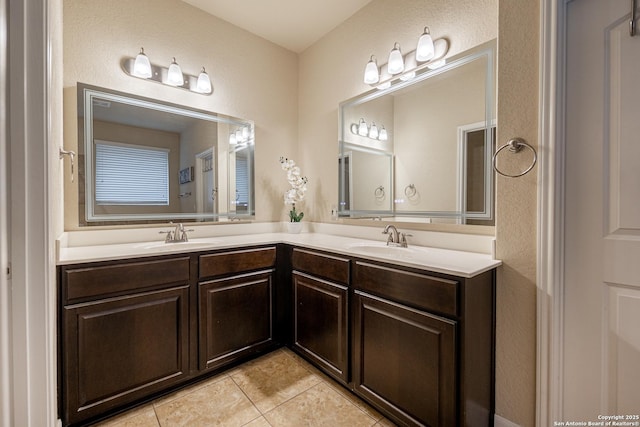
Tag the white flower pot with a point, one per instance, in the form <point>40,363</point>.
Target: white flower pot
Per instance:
<point>294,227</point>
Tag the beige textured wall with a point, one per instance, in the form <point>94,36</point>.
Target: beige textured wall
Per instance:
<point>331,71</point>
<point>516,212</point>
<point>252,78</point>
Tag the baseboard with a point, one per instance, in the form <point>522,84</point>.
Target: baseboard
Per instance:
<point>498,421</point>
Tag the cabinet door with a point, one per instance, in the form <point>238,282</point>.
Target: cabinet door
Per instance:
<point>235,318</point>
<point>121,349</point>
<point>404,361</point>
<point>320,323</point>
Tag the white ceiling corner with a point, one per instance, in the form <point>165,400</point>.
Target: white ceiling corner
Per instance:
<point>292,24</point>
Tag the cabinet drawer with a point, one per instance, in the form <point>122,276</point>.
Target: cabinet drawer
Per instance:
<point>236,261</point>
<point>326,266</point>
<point>90,282</point>
<point>417,290</point>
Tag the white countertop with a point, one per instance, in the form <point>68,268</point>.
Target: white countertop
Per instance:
<point>454,262</point>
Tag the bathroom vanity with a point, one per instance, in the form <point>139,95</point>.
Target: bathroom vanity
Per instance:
<point>414,340</point>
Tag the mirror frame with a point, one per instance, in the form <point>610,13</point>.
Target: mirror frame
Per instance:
<point>86,95</point>
<point>485,50</point>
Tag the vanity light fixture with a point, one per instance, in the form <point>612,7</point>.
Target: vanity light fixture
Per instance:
<point>371,75</point>
<point>204,83</point>
<point>396,61</point>
<point>425,49</point>
<point>141,67</point>
<point>429,53</point>
<point>174,75</point>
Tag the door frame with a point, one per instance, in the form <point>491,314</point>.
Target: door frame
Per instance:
<point>550,222</point>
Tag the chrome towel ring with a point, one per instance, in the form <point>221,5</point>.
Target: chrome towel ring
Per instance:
<point>515,145</point>
<point>410,190</point>
<point>379,192</point>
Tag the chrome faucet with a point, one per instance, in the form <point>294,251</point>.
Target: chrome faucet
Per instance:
<point>393,235</point>
<point>178,235</point>
<point>395,238</point>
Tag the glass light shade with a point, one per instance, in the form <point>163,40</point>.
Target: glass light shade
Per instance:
<point>425,50</point>
<point>382,135</point>
<point>396,62</point>
<point>239,138</point>
<point>142,66</point>
<point>371,75</point>
<point>436,64</point>
<point>204,83</point>
<point>408,76</point>
<point>373,131</point>
<point>354,128</point>
<point>245,133</point>
<point>174,75</point>
<point>232,139</point>
<point>363,130</point>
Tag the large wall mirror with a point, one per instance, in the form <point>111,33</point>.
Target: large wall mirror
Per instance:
<point>146,161</point>
<point>421,150</point>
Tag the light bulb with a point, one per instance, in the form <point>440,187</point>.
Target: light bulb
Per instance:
<point>382,135</point>
<point>396,63</point>
<point>373,131</point>
<point>363,130</point>
<point>204,83</point>
<point>371,75</point>
<point>174,76</point>
<point>142,66</point>
<point>425,50</point>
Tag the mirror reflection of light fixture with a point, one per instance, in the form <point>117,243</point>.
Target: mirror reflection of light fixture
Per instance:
<point>174,75</point>
<point>395,65</point>
<point>363,129</point>
<point>429,53</point>
<point>141,67</point>
<point>372,131</point>
<point>382,135</point>
<point>241,135</point>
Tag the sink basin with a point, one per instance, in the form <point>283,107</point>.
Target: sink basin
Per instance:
<point>382,249</point>
<point>174,246</point>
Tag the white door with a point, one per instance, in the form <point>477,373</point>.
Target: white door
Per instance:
<point>602,225</point>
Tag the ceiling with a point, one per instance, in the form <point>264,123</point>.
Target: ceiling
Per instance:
<point>292,24</point>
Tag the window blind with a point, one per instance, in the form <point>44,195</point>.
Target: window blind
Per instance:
<point>242,182</point>
<point>131,174</point>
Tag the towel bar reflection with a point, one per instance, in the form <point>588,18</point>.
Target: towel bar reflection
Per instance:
<point>515,145</point>
<point>71,155</point>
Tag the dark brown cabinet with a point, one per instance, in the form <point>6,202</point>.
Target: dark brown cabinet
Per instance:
<point>423,345</point>
<point>321,311</point>
<point>118,348</point>
<point>405,360</point>
<point>235,305</point>
<point>235,318</point>
<point>418,346</point>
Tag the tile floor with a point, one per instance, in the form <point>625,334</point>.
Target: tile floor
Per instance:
<point>278,389</point>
